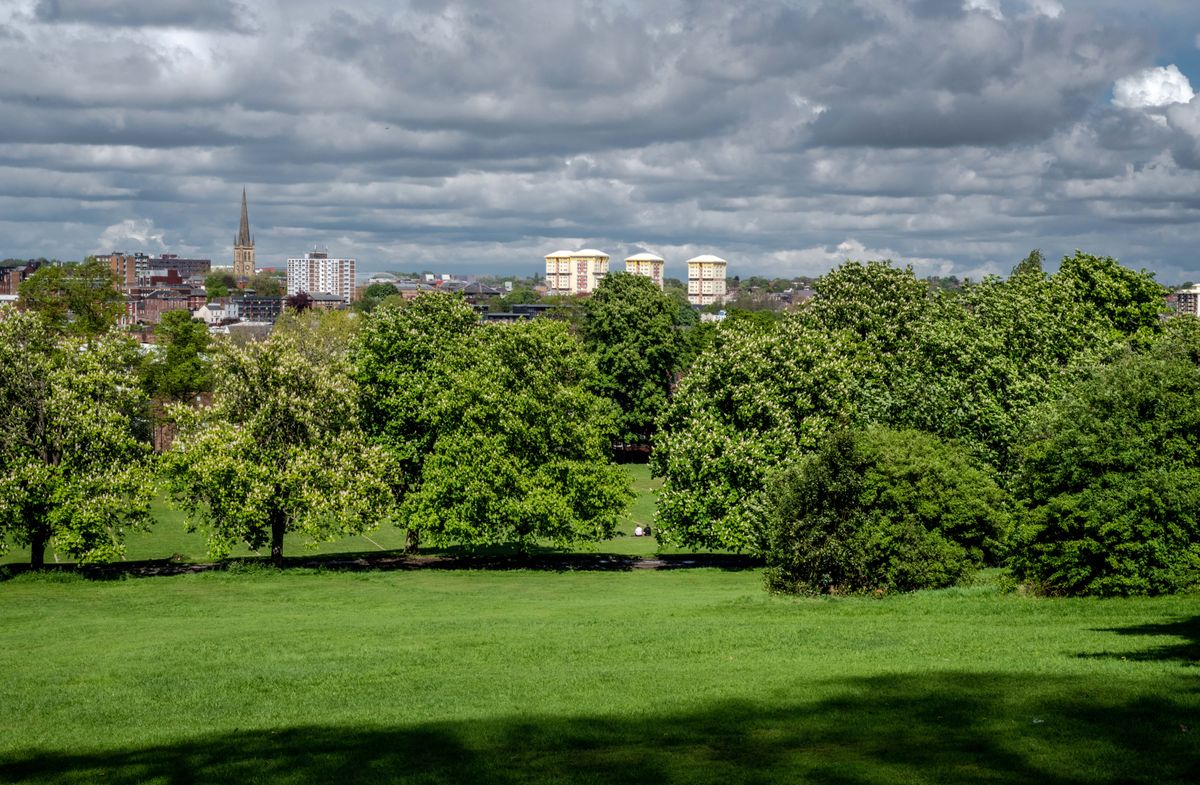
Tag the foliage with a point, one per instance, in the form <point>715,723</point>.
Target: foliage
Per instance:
<point>520,295</point>
<point>877,345</point>
<point>498,434</point>
<point>630,328</point>
<point>751,400</point>
<point>79,299</point>
<point>279,451</point>
<point>265,285</point>
<point>881,509</point>
<point>403,358</point>
<point>219,284</point>
<point>1110,477</point>
<point>179,367</point>
<point>73,451</point>
<point>299,302</point>
<point>373,296</point>
<point>322,335</point>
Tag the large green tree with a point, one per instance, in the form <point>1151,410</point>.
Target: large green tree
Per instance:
<point>280,451</point>
<point>80,299</point>
<point>1109,476</point>
<point>178,367</point>
<point>630,328</point>
<point>73,441</point>
<point>499,435</point>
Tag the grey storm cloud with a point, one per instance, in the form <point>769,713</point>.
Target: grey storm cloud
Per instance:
<point>477,136</point>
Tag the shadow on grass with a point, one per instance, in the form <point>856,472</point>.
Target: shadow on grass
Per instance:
<point>939,728</point>
<point>1186,650</point>
<point>544,560</point>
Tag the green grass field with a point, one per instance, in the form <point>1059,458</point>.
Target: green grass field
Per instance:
<point>431,676</point>
<point>625,676</point>
<point>170,538</point>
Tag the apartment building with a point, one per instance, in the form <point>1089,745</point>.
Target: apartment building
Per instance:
<point>575,272</point>
<point>706,279</point>
<point>646,264</point>
<point>316,273</point>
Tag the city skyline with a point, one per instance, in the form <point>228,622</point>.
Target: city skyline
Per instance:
<point>955,136</point>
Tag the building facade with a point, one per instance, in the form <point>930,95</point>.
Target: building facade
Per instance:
<point>243,246</point>
<point>316,273</point>
<point>13,274</point>
<point>575,272</point>
<point>706,279</point>
<point>1187,300</point>
<point>646,264</point>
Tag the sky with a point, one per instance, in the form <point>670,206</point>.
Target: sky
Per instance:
<point>476,137</point>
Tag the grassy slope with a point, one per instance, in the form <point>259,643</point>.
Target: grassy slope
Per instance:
<point>682,676</point>
<point>170,537</point>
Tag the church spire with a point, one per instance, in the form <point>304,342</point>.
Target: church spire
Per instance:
<point>243,246</point>
<point>244,239</point>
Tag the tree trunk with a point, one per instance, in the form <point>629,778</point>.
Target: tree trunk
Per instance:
<point>37,548</point>
<point>278,523</point>
<point>412,541</point>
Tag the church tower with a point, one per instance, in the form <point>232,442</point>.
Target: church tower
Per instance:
<point>243,246</point>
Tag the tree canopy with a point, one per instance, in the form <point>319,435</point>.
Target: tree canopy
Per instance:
<point>280,451</point>
<point>178,368</point>
<point>630,328</point>
<point>882,509</point>
<point>74,444</point>
<point>499,435</point>
<point>80,299</point>
<point>877,345</point>
<point>1109,476</point>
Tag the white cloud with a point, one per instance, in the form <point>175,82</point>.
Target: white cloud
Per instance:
<point>989,7</point>
<point>1050,8</point>
<point>131,235</point>
<point>1152,88</point>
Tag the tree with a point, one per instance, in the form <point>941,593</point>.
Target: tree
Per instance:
<point>219,284</point>
<point>882,509</point>
<point>402,359</point>
<point>280,451</point>
<point>80,299</point>
<point>877,345</point>
<point>179,367</point>
<point>1109,477</point>
<point>750,402</point>
<point>629,327</point>
<point>523,449</point>
<point>298,302</point>
<point>73,441</point>
<point>264,285</point>
<point>498,435</point>
<point>322,335</point>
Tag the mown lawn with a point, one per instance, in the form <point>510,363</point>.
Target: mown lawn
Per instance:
<point>169,538</point>
<point>435,676</point>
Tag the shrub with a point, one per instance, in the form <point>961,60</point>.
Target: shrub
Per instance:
<point>882,509</point>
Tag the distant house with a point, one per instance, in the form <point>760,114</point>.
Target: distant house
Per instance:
<point>328,302</point>
<point>211,313</point>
